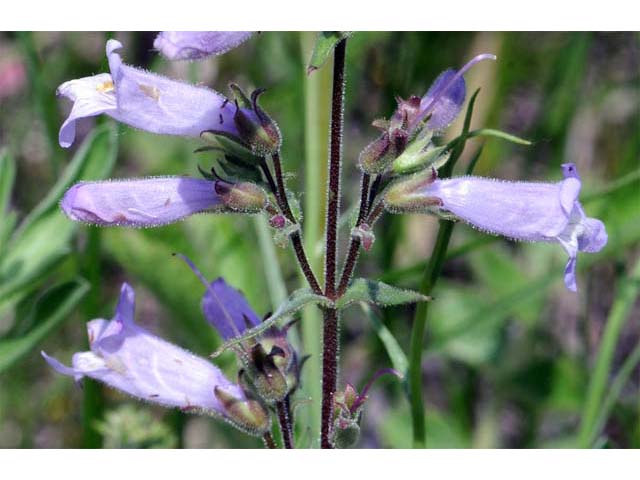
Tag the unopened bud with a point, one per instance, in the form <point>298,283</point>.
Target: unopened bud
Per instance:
<point>269,382</point>
<point>366,236</point>
<point>278,221</point>
<point>376,157</point>
<point>247,415</point>
<point>346,433</point>
<point>405,113</point>
<point>254,126</point>
<point>245,197</point>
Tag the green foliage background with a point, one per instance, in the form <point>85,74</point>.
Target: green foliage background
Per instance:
<point>511,358</point>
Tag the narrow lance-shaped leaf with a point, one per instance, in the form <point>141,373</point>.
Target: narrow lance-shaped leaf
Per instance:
<point>42,238</point>
<point>52,309</point>
<point>7,177</point>
<point>394,350</point>
<point>378,293</point>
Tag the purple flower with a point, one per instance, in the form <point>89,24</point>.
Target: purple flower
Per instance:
<point>537,212</point>
<point>197,45</point>
<point>224,307</point>
<point>129,358</point>
<point>147,101</point>
<point>147,202</point>
<point>444,99</point>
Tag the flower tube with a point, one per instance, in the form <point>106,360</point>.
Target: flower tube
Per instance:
<point>536,212</point>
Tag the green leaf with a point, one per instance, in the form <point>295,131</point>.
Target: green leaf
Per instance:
<point>490,132</point>
<point>378,293</point>
<point>42,240</point>
<point>394,350</point>
<point>7,177</point>
<point>52,308</point>
<point>323,48</point>
<point>297,300</point>
<point>94,160</point>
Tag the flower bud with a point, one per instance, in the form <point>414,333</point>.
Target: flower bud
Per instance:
<point>255,127</point>
<point>346,433</point>
<point>366,236</point>
<point>278,221</point>
<point>247,415</point>
<point>244,197</point>
<point>269,382</point>
<point>347,410</point>
<point>375,158</point>
<point>271,367</point>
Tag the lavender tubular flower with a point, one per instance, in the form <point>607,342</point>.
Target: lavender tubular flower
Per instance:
<point>128,358</point>
<point>146,101</point>
<point>538,212</point>
<point>148,202</point>
<point>197,45</point>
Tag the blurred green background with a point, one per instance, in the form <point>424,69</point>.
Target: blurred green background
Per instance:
<point>511,358</point>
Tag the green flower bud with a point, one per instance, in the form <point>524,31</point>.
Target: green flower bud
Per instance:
<point>346,433</point>
<point>247,415</point>
<point>244,197</point>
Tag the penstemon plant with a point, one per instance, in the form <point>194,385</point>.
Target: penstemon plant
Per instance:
<point>406,169</point>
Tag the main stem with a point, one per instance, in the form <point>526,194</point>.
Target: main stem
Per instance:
<point>331,317</point>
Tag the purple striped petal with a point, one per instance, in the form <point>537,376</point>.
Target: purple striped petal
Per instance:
<point>128,358</point>
<point>148,202</point>
<point>197,45</point>
<point>146,101</point>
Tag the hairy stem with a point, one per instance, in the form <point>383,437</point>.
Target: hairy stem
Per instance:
<point>301,255</point>
<point>329,373</point>
<point>268,441</point>
<point>354,246</point>
<point>296,240</point>
<point>335,164</point>
<point>283,201</point>
<point>331,317</point>
<point>284,418</point>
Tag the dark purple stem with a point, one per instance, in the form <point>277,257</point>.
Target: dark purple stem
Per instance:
<point>296,239</point>
<point>354,246</point>
<point>268,440</point>
<point>331,317</point>
<point>284,418</point>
